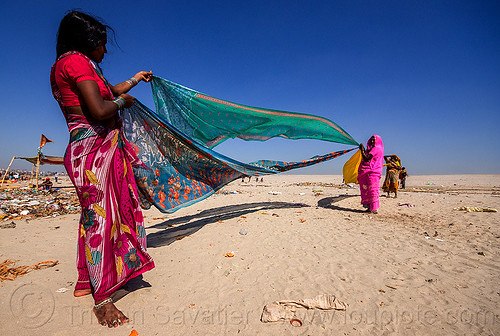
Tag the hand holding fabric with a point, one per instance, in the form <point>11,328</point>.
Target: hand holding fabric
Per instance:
<point>145,76</point>
<point>129,100</point>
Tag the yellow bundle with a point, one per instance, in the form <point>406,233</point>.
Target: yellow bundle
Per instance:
<point>350,170</point>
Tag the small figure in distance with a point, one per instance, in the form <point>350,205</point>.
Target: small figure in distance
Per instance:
<point>391,182</point>
<point>403,174</point>
<point>370,172</point>
<point>47,184</point>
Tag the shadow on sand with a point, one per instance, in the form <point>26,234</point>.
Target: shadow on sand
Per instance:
<point>329,203</point>
<point>130,286</point>
<point>191,224</point>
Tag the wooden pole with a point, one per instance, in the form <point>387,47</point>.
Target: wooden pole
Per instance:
<point>4,175</point>
<point>32,172</point>
<point>37,168</point>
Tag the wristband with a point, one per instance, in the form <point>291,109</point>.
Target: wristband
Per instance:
<point>120,102</point>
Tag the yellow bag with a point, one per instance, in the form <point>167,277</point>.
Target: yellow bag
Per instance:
<point>350,170</point>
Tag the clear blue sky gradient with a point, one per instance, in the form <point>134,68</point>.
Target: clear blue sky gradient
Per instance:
<point>424,75</point>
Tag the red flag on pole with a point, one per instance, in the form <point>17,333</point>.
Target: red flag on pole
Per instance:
<point>44,140</point>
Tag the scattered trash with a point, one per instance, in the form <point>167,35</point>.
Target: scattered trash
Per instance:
<point>441,240</point>
<point>390,287</point>
<point>27,203</point>
<point>302,194</point>
<point>61,290</point>
<point>475,209</point>
<point>8,272</point>
<point>228,192</point>
<point>53,207</point>
<point>285,309</point>
<point>275,192</point>
<point>428,236</point>
<point>229,255</point>
<point>243,232</point>
<point>409,205</point>
<point>296,322</point>
<point>10,225</point>
<point>480,253</point>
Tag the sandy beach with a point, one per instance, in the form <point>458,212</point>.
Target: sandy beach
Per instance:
<point>419,267</point>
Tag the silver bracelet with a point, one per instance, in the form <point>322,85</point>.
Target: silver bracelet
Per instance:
<point>105,302</point>
<point>120,102</point>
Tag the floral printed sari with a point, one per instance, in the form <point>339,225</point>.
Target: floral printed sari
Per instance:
<point>111,235</point>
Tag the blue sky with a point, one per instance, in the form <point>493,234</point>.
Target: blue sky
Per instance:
<point>424,75</point>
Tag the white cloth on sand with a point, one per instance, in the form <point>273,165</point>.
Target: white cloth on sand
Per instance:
<point>285,310</point>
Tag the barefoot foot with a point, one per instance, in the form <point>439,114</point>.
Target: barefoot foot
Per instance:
<point>108,315</point>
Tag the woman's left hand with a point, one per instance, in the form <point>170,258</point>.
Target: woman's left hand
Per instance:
<point>145,76</point>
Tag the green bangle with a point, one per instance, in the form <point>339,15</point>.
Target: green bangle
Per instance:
<point>132,81</point>
<point>120,102</point>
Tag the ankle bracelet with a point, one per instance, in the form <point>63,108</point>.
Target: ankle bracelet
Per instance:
<point>100,305</point>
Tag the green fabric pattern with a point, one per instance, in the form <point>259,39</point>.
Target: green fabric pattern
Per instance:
<point>211,121</point>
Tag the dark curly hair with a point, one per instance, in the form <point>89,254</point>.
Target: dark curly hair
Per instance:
<point>81,32</point>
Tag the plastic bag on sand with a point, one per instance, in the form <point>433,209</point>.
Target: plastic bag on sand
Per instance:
<point>285,310</point>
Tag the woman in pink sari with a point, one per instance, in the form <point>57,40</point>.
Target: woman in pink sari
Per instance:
<point>370,171</point>
<point>111,237</point>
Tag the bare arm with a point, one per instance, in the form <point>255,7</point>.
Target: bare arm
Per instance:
<point>366,156</point>
<point>99,108</point>
<point>125,87</point>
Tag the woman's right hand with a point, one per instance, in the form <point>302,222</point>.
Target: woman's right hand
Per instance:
<point>129,100</point>
<point>145,76</point>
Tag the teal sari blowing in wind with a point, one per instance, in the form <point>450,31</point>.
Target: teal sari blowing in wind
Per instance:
<point>174,142</point>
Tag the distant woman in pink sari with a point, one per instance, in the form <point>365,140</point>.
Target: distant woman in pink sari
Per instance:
<point>370,171</point>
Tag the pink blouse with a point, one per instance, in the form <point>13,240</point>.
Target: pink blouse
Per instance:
<point>71,70</point>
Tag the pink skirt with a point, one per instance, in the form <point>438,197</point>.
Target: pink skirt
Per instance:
<point>369,185</point>
<point>111,234</point>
